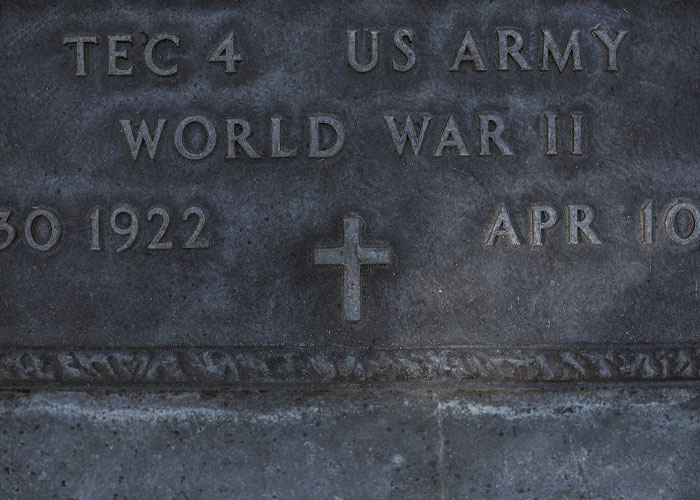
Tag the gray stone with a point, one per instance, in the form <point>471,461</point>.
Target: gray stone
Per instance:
<point>367,249</point>
<point>615,444</point>
<point>190,263</point>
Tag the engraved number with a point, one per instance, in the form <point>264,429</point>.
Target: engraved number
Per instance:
<point>227,54</point>
<point>193,241</point>
<point>95,229</point>
<point>54,229</point>
<point>132,230</point>
<point>157,243</point>
<point>124,221</point>
<point>6,228</point>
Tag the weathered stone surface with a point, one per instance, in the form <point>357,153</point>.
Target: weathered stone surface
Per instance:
<point>268,368</point>
<point>225,196</point>
<point>448,261</point>
<point>346,445</point>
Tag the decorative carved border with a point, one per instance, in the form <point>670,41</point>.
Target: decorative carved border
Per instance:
<point>279,367</point>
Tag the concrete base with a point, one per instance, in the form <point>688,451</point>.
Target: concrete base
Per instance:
<point>617,444</point>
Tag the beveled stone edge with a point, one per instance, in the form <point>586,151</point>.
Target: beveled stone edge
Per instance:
<point>343,367</point>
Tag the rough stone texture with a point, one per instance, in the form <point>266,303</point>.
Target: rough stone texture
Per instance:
<point>299,368</point>
<point>618,444</point>
<point>254,312</point>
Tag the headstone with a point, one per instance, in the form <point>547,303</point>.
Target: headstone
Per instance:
<point>349,195</point>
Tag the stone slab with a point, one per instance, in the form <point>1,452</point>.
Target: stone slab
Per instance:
<point>396,274</point>
<point>342,256</point>
<point>614,444</point>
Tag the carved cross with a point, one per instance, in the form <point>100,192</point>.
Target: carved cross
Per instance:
<point>352,256</point>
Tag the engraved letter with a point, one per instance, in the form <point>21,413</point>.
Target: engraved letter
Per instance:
<point>543,217</point>
<point>79,42</point>
<point>211,138</point>
<point>451,138</point>
<point>468,52</point>
<point>405,49</point>
<point>352,52</point>
<point>495,135</point>
<point>505,50</point>
<point>240,138</point>
<point>315,150</point>
<point>577,224</point>
<point>409,131</point>
<point>115,54</point>
<point>148,53</point>
<point>610,45</point>
<point>144,135</point>
<point>277,151</point>
<point>551,133</point>
<point>670,223</point>
<point>576,133</point>
<point>550,48</point>
<point>503,227</point>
